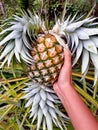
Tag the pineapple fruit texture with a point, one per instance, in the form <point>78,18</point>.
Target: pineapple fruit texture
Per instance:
<point>48,57</point>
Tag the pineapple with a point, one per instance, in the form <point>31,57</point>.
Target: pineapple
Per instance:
<point>48,57</point>
<point>27,39</point>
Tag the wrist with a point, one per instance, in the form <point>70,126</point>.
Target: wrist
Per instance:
<point>67,88</point>
<point>64,89</point>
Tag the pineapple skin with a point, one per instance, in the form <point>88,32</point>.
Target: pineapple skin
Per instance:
<point>48,55</point>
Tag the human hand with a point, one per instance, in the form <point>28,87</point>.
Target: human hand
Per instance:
<point>82,119</point>
<point>65,76</point>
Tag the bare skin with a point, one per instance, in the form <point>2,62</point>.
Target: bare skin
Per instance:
<point>80,115</point>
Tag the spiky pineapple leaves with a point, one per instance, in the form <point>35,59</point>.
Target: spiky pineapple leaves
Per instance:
<point>81,35</point>
<point>16,37</point>
<point>82,38</point>
<point>43,103</point>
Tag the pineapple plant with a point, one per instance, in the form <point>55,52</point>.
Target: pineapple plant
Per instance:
<point>27,39</point>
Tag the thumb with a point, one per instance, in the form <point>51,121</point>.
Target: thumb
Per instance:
<point>66,68</point>
<point>67,57</point>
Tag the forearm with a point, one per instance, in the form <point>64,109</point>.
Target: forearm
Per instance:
<point>80,115</point>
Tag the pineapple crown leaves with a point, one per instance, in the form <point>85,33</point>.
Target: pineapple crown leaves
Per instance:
<point>17,36</point>
<point>82,39</point>
<point>43,103</point>
<point>81,35</point>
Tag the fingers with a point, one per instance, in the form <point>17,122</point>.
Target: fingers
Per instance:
<point>65,75</point>
<point>67,59</point>
<point>66,70</point>
<point>67,56</point>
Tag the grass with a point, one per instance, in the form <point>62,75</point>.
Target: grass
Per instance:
<point>13,115</point>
